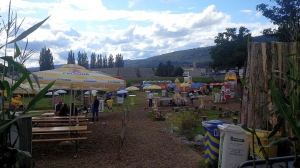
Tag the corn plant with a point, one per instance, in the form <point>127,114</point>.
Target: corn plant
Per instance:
<point>9,154</point>
<point>288,106</point>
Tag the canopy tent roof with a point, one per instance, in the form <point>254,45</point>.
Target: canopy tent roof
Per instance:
<point>22,89</point>
<point>75,76</point>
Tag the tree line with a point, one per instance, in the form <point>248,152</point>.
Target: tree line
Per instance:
<point>230,50</point>
<point>96,61</point>
<point>168,70</point>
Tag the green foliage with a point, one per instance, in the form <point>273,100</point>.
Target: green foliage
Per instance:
<point>186,122</point>
<point>288,107</point>
<point>165,70</point>
<point>9,155</point>
<point>71,57</point>
<point>110,61</point>
<point>231,49</point>
<point>286,15</point>
<point>119,62</point>
<point>93,61</point>
<point>178,71</point>
<point>46,59</point>
<point>209,164</point>
<point>99,63</point>
<point>82,60</point>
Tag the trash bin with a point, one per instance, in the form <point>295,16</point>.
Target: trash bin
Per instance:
<point>101,106</point>
<point>234,145</point>
<point>163,93</point>
<point>262,135</point>
<point>211,139</point>
<point>216,97</point>
<point>109,104</point>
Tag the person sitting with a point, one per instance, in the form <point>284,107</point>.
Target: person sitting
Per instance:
<point>64,111</point>
<point>108,97</point>
<point>57,108</point>
<point>74,110</point>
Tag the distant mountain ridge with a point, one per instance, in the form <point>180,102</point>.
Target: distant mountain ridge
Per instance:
<point>183,58</point>
<point>178,58</point>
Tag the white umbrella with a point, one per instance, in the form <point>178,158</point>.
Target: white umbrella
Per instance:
<point>60,91</point>
<point>122,91</point>
<point>93,92</point>
<point>50,93</point>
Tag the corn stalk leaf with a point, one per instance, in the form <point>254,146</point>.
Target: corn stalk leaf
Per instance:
<point>283,109</point>
<point>18,51</point>
<point>28,31</point>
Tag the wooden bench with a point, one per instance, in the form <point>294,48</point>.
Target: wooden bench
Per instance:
<point>58,139</point>
<point>56,133</point>
<point>45,122</point>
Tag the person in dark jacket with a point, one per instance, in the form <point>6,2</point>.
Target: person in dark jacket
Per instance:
<point>96,108</point>
<point>64,111</point>
<point>74,110</point>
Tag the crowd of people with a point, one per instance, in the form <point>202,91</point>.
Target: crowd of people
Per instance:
<point>62,109</point>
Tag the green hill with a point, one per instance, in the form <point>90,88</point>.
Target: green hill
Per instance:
<point>178,58</point>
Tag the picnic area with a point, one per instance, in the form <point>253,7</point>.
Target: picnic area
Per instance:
<point>147,143</point>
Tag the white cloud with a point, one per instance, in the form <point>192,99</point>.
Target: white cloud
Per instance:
<point>132,3</point>
<point>246,11</point>
<point>78,26</point>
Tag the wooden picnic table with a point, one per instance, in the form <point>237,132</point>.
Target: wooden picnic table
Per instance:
<point>58,121</point>
<point>59,129</point>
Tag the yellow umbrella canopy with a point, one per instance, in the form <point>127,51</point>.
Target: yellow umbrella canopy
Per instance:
<point>132,88</point>
<point>185,85</point>
<point>22,89</point>
<point>75,76</point>
<point>152,87</point>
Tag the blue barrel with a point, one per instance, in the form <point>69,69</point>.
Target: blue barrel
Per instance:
<point>211,140</point>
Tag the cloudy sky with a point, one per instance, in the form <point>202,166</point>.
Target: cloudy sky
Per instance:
<point>136,29</point>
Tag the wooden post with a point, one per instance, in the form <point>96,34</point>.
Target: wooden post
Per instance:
<point>25,128</point>
<point>234,120</point>
<point>262,61</point>
<point>213,107</point>
<point>220,115</point>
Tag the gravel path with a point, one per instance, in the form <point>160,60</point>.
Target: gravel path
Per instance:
<point>145,145</point>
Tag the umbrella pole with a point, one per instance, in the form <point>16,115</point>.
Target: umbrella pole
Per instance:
<point>70,112</point>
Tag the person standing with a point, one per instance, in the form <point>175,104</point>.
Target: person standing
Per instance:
<point>74,110</point>
<point>96,108</point>
<point>150,98</point>
<point>191,95</point>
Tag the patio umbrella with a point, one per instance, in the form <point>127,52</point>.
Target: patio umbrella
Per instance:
<point>122,92</point>
<point>146,84</point>
<point>75,76</point>
<point>185,85</point>
<point>93,92</point>
<point>152,87</point>
<point>132,88</point>
<point>50,93</point>
<point>61,91</point>
<point>72,76</point>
